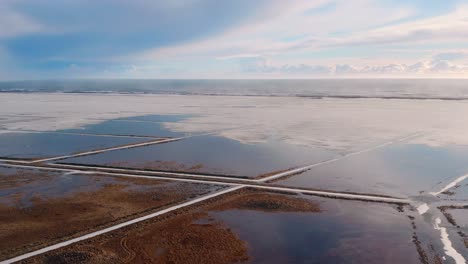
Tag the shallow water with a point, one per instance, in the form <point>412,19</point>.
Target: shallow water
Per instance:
<point>36,145</point>
<point>45,184</point>
<point>400,169</point>
<point>43,206</point>
<point>344,232</point>
<point>28,184</point>
<point>213,155</point>
<point>458,193</point>
<point>127,127</point>
<point>151,126</point>
<point>157,118</point>
<point>461,217</point>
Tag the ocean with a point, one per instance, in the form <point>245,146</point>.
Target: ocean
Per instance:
<point>449,89</point>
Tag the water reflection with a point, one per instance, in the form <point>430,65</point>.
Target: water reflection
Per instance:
<point>212,154</point>
<point>404,169</point>
<point>36,145</point>
<point>148,125</point>
<point>343,232</point>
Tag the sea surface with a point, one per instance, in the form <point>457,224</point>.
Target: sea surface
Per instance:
<point>450,89</point>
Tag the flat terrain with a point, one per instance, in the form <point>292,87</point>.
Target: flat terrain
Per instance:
<point>40,145</point>
<point>47,207</point>
<point>211,154</point>
<point>223,179</point>
<point>247,225</point>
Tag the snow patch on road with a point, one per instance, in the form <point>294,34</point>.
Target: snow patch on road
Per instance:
<point>423,208</point>
<point>451,185</point>
<point>449,250</point>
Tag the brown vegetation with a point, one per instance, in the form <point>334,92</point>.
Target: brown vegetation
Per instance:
<point>52,219</point>
<point>189,235</point>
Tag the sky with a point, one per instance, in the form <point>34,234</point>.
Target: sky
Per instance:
<point>60,39</point>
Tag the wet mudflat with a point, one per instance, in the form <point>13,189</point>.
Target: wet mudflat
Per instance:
<point>47,207</point>
<point>400,169</point>
<point>43,145</point>
<point>211,155</point>
<point>264,227</point>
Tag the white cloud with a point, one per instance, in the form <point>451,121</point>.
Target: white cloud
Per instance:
<point>272,39</point>
<point>238,56</point>
<point>261,65</point>
<point>444,28</point>
<point>13,23</point>
<point>451,56</point>
<point>287,27</point>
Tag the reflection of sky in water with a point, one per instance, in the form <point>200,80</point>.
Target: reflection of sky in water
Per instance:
<point>158,118</point>
<point>28,184</point>
<point>34,145</point>
<point>345,232</point>
<point>461,217</point>
<point>216,154</point>
<point>46,185</point>
<point>150,125</point>
<point>458,241</point>
<point>457,193</point>
<point>402,169</point>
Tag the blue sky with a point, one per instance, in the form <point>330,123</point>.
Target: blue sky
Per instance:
<point>54,39</point>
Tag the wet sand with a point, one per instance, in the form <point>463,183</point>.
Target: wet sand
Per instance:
<point>46,208</point>
<point>259,227</point>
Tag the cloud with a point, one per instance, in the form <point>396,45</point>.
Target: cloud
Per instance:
<point>447,67</point>
<point>298,37</point>
<point>292,29</point>
<point>260,65</point>
<point>13,23</point>
<point>239,56</point>
<point>449,27</point>
<point>451,56</point>
<point>83,29</point>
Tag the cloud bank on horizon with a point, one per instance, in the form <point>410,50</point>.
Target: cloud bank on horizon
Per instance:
<point>233,39</point>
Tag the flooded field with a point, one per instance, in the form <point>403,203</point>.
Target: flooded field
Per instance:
<point>265,227</point>
<point>458,193</point>
<point>47,207</point>
<point>149,125</point>
<point>43,145</point>
<point>461,217</point>
<point>211,155</point>
<point>356,151</point>
<point>399,169</point>
<point>457,217</point>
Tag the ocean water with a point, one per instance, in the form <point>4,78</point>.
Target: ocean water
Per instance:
<point>374,88</point>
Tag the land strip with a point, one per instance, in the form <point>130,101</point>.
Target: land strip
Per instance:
<point>331,194</point>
